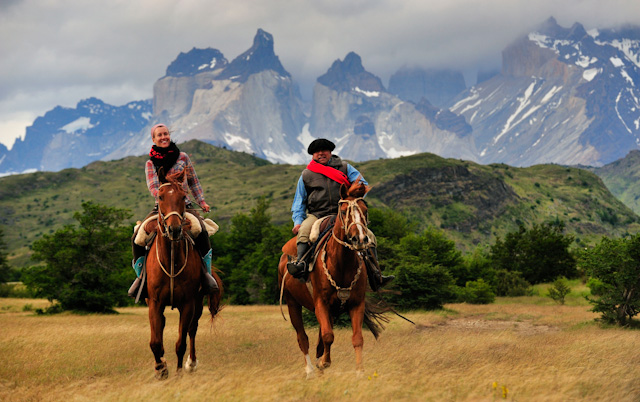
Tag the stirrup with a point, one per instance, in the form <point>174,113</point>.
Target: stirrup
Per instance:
<point>297,269</point>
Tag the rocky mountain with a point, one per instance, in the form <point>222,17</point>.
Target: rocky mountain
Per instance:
<point>439,87</point>
<point>250,104</point>
<point>352,108</point>
<point>564,95</point>
<point>74,137</point>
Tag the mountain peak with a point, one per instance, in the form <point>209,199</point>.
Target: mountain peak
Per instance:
<point>196,61</point>
<point>349,74</point>
<point>259,57</point>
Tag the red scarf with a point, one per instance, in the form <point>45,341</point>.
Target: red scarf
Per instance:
<point>332,173</point>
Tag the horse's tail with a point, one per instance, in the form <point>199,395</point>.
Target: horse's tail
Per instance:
<point>374,316</point>
<point>215,299</point>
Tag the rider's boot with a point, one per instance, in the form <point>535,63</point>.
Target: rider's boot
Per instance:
<point>298,267</point>
<point>137,264</point>
<point>377,280</point>
<point>208,282</point>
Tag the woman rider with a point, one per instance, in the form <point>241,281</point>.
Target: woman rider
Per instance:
<point>165,154</point>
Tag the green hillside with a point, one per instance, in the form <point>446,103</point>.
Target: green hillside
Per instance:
<point>622,177</point>
<point>472,203</point>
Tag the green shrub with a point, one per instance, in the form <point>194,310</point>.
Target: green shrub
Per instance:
<point>86,268</point>
<point>510,283</point>
<point>477,292</point>
<point>613,265</point>
<point>540,253</point>
<point>559,289</point>
<point>421,286</point>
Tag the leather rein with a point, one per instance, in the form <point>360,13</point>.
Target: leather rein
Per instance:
<point>352,208</point>
<point>164,230</point>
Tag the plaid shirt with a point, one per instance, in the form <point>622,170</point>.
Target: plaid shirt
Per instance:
<point>191,179</point>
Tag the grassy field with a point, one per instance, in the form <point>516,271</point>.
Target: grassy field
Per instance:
<point>529,348</point>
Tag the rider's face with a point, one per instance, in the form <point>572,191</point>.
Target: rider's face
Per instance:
<point>322,157</point>
<point>161,137</point>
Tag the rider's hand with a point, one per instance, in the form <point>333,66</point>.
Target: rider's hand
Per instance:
<point>205,207</point>
<point>295,229</point>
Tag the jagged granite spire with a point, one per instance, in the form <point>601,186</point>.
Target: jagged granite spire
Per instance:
<point>348,74</point>
<point>196,61</point>
<point>258,58</point>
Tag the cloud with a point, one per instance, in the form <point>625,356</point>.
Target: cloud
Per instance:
<point>61,52</point>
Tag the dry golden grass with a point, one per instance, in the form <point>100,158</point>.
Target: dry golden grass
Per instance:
<point>537,351</point>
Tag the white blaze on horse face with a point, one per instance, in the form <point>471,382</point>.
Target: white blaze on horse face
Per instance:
<point>361,233</point>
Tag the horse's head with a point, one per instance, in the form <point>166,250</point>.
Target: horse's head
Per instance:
<point>352,215</point>
<point>171,206</point>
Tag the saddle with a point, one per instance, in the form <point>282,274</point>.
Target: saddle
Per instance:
<point>143,231</point>
<point>320,232</point>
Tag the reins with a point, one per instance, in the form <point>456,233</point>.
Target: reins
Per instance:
<point>352,207</point>
<point>165,233</point>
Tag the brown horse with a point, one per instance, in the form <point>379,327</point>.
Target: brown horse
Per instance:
<point>173,270</point>
<point>338,281</point>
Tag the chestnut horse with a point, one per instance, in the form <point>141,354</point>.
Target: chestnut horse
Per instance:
<point>173,270</point>
<point>338,282</point>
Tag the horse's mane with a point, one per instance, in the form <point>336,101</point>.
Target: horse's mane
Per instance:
<point>175,180</point>
<point>358,188</point>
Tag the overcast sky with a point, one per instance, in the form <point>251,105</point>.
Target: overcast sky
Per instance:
<point>58,52</point>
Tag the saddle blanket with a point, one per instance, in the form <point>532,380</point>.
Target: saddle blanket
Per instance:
<point>141,234</point>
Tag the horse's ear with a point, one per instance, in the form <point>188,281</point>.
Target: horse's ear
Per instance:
<point>344,191</point>
<point>180,176</point>
<point>161,175</point>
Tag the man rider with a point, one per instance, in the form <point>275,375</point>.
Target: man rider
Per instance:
<point>317,196</point>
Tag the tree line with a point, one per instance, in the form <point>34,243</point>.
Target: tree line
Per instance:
<point>86,266</point>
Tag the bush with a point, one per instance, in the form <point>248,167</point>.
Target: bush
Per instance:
<point>510,283</point>
<point>559,289</point>
<point>477,292</point>
<point>422,286</point>
<point>86,268</point>
<point>17,290</point>
<point>540,254</point>
<point>613,266</point>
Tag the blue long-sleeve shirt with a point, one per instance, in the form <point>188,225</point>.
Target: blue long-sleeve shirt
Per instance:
<point>299,206</point>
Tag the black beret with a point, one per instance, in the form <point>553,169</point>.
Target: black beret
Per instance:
<point>320,144</point>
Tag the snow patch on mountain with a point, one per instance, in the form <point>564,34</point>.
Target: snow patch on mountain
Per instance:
<point>81,124</point>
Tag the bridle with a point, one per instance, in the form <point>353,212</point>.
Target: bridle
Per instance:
<point>352,210</point>
<point>162,220</point>
<point>162,223</point>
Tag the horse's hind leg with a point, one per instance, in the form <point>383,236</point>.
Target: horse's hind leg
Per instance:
<point>186,316</point>
<point>295,314</point>
<point>191,364</point>
<point>156,323</point>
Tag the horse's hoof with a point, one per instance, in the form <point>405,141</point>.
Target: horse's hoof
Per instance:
<point>323,365</point>
<point>311,372</point>
<point>179,372</point>
<point>191,365</point>
<point>359,372</point>
<point>162,372</point>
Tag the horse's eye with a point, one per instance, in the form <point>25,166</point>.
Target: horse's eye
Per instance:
<point>159,198</point>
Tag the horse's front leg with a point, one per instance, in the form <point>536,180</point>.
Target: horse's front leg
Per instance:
<point>186,317</point>
<point>357,318</point>
<point>326,331</point>
<point>191,364</point>
<point>156,323</point>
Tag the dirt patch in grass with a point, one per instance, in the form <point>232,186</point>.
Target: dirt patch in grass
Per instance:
<point>478,323</point>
